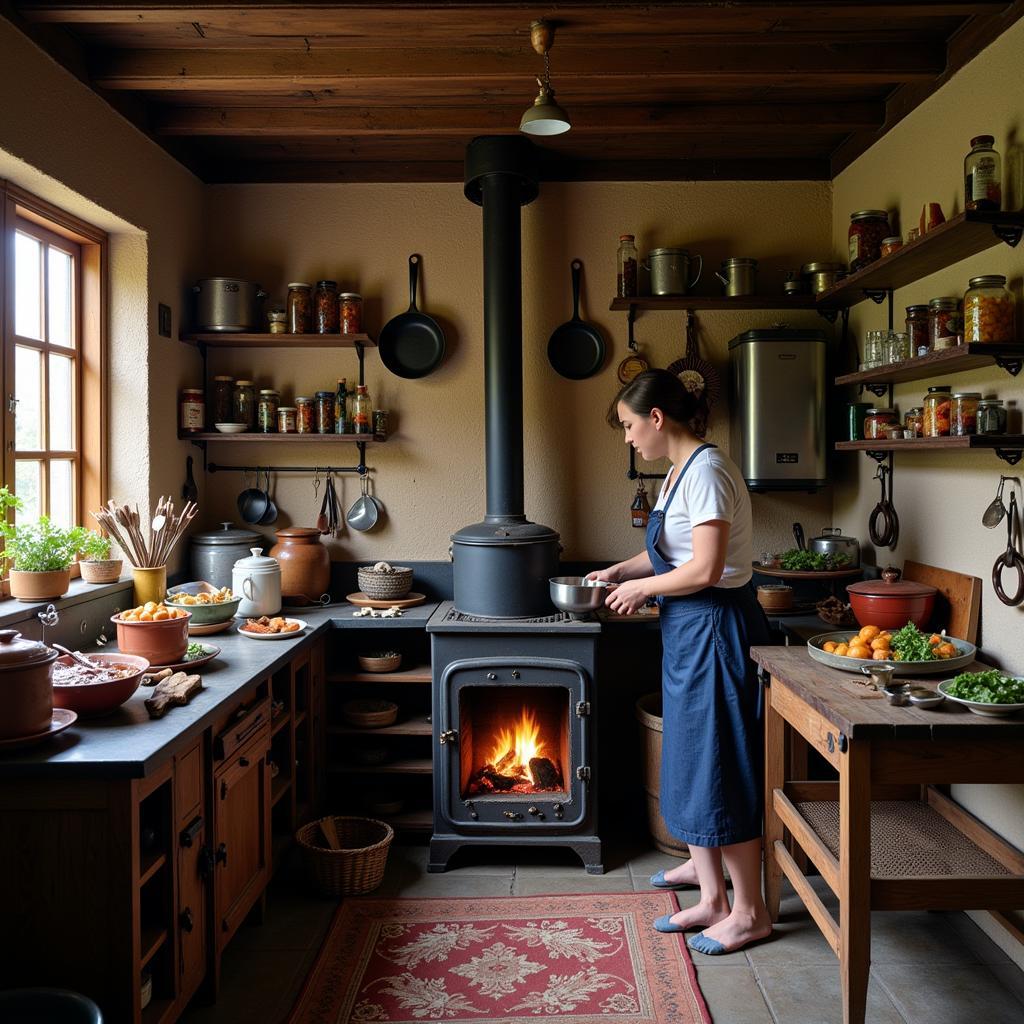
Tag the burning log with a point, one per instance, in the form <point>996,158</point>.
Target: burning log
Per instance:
<point>500,782</point>
<point>545,774</point>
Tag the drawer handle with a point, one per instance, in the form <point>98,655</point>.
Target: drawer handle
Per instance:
<point>243,762</point>
<point>251,728</point>
<point>221,856</point>
<point>188,834</point>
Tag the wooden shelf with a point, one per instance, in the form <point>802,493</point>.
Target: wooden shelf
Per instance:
<point>1008,442</point>
<point>152,938</point>
<point>150,866</point>
<point>703,303</point>
<point>278,788</point>
<point>277,724</point>
<point>418,820</point>
<point>157,1011</point>
<point>406,766</point>
<point>413,727</point>
<point>961,236</point>
<point>225,339</point>
<point>968,356</point>
<point>417,674</point>
<point>216,435</point>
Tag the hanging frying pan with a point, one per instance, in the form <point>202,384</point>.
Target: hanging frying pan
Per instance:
<point>576,349</point>
<point>411,344</point>
<point>697,375</point>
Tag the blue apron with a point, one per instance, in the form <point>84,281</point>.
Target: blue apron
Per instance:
<point>712,760</point>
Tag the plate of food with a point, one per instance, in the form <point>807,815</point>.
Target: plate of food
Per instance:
<point>908,650</point>
<point>991,693</point>
<point>267,627</point>
<point>196,654</point>
<point>800,564</point>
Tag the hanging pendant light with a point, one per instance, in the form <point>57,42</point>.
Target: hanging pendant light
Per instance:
<point>545,117</point>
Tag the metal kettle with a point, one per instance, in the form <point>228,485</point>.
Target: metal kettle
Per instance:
<point>832,542</point>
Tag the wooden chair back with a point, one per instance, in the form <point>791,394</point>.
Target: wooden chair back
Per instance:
<point>958,603</point>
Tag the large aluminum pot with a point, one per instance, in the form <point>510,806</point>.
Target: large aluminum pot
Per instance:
<point>215,552</point>
<point>832,542</point>
<point>670,271</point>
<point>227,304</point>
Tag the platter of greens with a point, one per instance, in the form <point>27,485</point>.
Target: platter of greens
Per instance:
<point>910,652</point>
<point>990,693</point>
<point>800,564</point>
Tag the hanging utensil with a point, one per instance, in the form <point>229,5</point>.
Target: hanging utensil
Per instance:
<point>634,364</point>
<point>270,515</point>
<point>576,348</point>
<point>993,515</point>
<point>798,536</point>
<point>189,490</point>
<point>1011,559</point>
<point>883,523</point>
<point>252,502</point>
<point>697,375</point>
<point>411,344</point>
<point>363,514</point>
<point>640,510</point>
<point>332,505</point>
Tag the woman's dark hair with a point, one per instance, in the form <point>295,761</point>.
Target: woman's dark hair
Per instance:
<point>659,389</point>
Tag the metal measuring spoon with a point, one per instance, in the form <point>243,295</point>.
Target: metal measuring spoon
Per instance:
<point>993,515</point>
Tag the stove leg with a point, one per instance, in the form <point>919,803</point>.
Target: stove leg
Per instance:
<point>441,851</point>
<point>589,851</point>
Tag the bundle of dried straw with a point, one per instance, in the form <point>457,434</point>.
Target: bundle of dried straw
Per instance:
<point>124,524</point>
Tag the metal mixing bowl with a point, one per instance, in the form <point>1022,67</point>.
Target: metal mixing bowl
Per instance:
<point>577,595</point>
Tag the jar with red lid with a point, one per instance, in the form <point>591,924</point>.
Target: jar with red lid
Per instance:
<point>191,410</point>
<point>325,308</point>
<point>877,423</point>
<point>350,306</point>
<point>935,421</point>
<point>867,229</point>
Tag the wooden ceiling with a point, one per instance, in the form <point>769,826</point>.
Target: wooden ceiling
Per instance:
<point>366,91</point>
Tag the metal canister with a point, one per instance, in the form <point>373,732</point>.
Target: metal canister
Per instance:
<point>821,275</point>
<point>738,276</point>
<point>670,270</point>
<point>214,552</point>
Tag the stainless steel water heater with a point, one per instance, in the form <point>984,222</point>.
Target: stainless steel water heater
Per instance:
<point>777,409</point>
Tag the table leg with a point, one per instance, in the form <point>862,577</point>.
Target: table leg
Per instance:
<point>855,879</point>
<point>797,759</point>
<point>774,778</point>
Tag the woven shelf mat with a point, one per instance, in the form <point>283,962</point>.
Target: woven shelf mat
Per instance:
<point>909,839</point>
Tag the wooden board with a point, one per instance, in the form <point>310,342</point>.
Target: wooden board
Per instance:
<point>962,595</point>
<point>360,600</point>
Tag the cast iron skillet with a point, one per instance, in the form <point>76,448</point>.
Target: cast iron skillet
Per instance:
<point>411,344</point>
<point>576,349</point>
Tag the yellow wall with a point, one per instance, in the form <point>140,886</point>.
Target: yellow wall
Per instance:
<point>940,497</point>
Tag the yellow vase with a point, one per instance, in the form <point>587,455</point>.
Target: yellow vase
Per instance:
<point>150,584</point>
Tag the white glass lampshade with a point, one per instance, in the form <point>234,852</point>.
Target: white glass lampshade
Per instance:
<point>545,117</point>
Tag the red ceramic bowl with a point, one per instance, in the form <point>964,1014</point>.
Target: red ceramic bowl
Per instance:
<point>891,605</point>
<point>160,643</point>
<point>91,699</point>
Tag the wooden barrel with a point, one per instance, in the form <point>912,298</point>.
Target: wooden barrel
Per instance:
<point>648,714</point>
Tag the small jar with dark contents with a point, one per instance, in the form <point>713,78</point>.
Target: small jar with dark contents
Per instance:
<point>266,411</point>
<point>325,412</point>
<point>325,307</point>
<point>299,308</point>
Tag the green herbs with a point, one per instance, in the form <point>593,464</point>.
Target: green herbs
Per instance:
<point>798,560</point>
<point>910,644</point>
<point>194,651</point>
<point>94,547</point>
<point>41,546</point>
<point>990,687</point>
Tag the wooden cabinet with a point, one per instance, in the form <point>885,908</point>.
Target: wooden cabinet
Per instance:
<point>193,870</point>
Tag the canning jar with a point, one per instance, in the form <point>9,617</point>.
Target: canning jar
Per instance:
<point>380,422</point>
<point>266,411</point>
<point>913,421</point>
<point>897,347</point>
<point>299,306</point>
<point>244,404</point>
<point>305,420</point>
<point>350,312</point>
<point>223,399</point>
<point>856,412</point>
<point>325,412</point>
<point>325,305</point>
<point>982,176</point>
<point>874,349</point>
<point>891,244</point>
<point>362,411</point>
<point>963,416</point>
<point>286,420</point>
<point>917,330</point>
<point>191,410</point>
<point>991,416</point>
<point>627,260</point>
<point>944,322</point>
<point>935,422</point>
<point>877,423</point>
<point>988,310</point>
<point>277,320</point>
<point>867,229</point>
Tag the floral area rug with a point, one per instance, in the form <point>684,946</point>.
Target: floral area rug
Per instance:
<point>571,959</point>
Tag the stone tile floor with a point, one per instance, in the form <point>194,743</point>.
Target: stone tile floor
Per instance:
<point>927,968</point>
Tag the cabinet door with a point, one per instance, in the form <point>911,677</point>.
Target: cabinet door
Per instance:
<point>193,859</point>
<point>241,846</point>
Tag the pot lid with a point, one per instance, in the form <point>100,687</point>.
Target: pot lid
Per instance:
<point>227,534</point>
<point>896,589</point>
<point>18,652</point>
<point>834,533</point>
<point>505,534</point>
<point>258,562</point>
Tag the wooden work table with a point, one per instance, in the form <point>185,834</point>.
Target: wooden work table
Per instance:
<point>883,836</point>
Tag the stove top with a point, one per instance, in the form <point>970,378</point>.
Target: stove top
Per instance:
<point>448,619</point>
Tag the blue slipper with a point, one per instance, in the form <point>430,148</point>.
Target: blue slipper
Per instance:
<point>664,924</point>
<point>658,881</point>
<point>709,947</point>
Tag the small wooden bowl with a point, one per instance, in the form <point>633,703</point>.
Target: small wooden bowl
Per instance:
<point>369,713</point>
<point>775,597</point>
<point>375,663</point>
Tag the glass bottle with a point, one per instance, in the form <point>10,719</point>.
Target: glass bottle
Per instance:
<point>627,278</point>
<point>245,405</point>
<point>298,307</point>
<point>362,411</point>
<point>266,411</point>
<point>988,310</point>
<point>325,302</point>
<point>223,399</point>
<point>983,188</point>
<point>341,407</point>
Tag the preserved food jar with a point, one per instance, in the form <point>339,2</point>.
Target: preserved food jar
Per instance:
<point>325,412</point>
<point>856,411</point>
<point>277,320</point>
<point>627,260</point>
<point>944,322</point>
<point>917,330</point>
<point>362,411</point>
<point>305,420</point>
<point>913,421</point>
<point>266,411</point>
<point>325,303</point>
<point>223,399</point>
<point>963,418</point>
<point>191,410</point>
<point>286,419</point>
<point>988,310</point>
<point>935,421</point>
<point>991,416</point>
<point>867,229</point>
<point>244,404</point>
<point>380,422</point>
<point>877,423</point>
<point>983,188</point>
<point>350,308</point>
<point>891,244</point>
<point>299,306</point>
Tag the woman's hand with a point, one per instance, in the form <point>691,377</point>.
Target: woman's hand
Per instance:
<point>603,575</point>
<point>628,597</point>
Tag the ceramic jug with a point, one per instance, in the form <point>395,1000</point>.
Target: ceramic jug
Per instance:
<point>258,580</point>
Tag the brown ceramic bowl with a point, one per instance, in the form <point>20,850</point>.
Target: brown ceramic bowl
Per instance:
<point>91,699</point>
<point>160,643</point>
<point>891,605</point>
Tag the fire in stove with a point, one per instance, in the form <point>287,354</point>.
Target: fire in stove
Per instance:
<point>518,762</point>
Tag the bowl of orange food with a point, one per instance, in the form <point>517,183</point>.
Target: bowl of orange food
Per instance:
<point>909,651</point>
<point>156,632</point>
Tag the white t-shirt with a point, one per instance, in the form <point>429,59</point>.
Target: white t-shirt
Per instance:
<point>712,488</point>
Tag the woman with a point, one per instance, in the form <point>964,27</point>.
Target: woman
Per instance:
<point>697,563</point>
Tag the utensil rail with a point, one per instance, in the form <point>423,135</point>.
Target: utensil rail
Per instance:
<point>362,469</point>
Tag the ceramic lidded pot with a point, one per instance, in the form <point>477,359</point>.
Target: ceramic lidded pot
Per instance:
<point>26,675</point>
<point>889,604</point>
<point>258,580</point>
<point>305,564</point>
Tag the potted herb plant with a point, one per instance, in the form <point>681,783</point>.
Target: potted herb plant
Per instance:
<point>95,562</point>
<point>41,553</point>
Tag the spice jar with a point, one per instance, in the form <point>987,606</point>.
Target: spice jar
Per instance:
<point>362,411</point>
<point>891,244</point>
<point>963,419</point>
<point>877,423</point>
<point>286,419</point>
<point>266,411</point>
<point>191,410</point>
<point>627,259</point>
<point>913,421</point>
<point>244,404</point>
<point>944,322</point>
<point>988,310</point>
<point>325,304</point>
<point>982,176</point>
<point>299,304</point>
<point>935,422</point>
<point>325,412</point>
<point>277,320</point>
<point>305,420</point>
<point>380,422</point>
<point>867,229</point>
<point>350,310</point>
<point>223,399</point>
<point>917,330</point>
<point>991,416</point>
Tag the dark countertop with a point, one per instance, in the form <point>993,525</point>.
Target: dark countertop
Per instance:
<point>130,744</point>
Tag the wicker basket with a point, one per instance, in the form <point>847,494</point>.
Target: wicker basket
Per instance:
<point>357,867</point>
<point>369,713</point>
<point>385,586</point>
<point>101,571</point>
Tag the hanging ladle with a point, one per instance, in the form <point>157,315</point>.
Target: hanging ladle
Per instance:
<point>365,511</point>
<point>993,515</point>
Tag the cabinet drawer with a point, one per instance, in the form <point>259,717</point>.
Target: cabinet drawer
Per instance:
<point>241,731</point>
<point>188,783</point>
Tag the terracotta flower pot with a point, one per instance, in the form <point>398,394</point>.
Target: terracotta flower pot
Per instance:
<point>305,563</point>
<point>106,570</point>
<point>40,586</point>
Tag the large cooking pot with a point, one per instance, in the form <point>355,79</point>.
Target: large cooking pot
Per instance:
<point>832,542</point>
<point>891,604</point>
<point>227,304</point>
<point>670,270</point>
<point>215,552</point>
<point>26,676</point>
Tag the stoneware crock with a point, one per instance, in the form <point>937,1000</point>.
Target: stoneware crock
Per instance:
<point>160,643</point>
<point>305,563</point>
<point>26,675</point>
<point>891,605</point>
